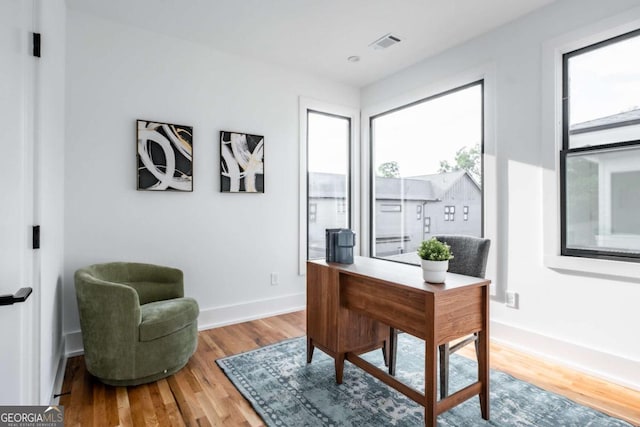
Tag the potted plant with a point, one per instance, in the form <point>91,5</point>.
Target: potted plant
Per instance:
<point>435,257</point>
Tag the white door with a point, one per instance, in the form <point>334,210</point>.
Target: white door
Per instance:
<point>18,367</point>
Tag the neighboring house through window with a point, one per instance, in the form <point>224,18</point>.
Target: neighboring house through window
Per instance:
<point>426,163</point>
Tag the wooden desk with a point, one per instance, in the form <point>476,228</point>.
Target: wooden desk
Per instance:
<point>351,307</point>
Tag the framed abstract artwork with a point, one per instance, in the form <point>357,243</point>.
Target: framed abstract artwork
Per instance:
<point>241,163</point>
<point>165,156</point>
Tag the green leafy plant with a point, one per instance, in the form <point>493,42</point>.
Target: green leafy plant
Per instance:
<point>434,250</point>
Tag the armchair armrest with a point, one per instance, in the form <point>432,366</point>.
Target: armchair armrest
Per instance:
<point>114,303</point>
<point>110,318</point>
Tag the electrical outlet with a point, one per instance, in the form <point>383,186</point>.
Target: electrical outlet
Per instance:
<point>274,279</point>
<point>512,299</point>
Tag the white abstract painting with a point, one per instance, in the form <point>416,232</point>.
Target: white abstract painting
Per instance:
<point>165,156</point>
<point>241,163</point>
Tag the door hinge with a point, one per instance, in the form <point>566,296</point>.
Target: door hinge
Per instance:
<point>36,237</point>
<point>36,45</point>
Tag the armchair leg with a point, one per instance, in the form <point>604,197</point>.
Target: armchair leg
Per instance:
<point>444,370</point>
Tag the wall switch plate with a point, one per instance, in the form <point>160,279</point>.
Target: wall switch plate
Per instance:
<point>274,279</point>
<point>511,299</point>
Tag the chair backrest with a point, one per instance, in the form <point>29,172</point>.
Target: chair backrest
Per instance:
<point>469,254</point>
<point>151,282</point>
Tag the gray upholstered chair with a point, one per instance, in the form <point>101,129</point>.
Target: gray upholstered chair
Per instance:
<point>469,258</point>
<point>137,327</point>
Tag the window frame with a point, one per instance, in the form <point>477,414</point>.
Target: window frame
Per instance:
<point>348,202</point>
<point>565,151</point>
<point>481,81</point>
<point>305,105</point>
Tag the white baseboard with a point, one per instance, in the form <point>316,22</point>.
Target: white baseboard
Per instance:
<point>73,344</point>
<point>59,380</point>
<point>607,366</point>
<point>237,313</point>
<point>220,316</point>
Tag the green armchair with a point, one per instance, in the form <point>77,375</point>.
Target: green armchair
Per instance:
<point>137,327</point>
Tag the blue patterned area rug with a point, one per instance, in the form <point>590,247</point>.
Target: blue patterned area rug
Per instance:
<point>286,391</point>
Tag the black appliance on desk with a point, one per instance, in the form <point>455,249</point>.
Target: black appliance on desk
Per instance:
<point>340,243</point>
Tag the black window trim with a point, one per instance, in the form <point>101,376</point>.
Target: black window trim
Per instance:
<point>479,82</point>
<point>565,151</point>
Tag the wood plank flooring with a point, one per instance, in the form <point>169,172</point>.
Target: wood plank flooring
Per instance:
<point>201,395</point>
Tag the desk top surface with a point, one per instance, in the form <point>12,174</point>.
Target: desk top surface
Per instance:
<point>402,274</point>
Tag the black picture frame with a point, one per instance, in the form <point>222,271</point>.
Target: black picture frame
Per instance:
<point>164,156</point>
<point>241,162</point>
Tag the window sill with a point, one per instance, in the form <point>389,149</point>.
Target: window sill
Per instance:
<point>611,269</point>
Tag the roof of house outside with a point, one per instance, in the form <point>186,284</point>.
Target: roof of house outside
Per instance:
<point>327,185</point>
<point>412,189</point>
<point>425,187</point>
<point>625,118</point>
<point>442,182</point>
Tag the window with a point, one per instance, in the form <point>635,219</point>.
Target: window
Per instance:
<point>390,208</point>
<point>313,209</point>
<point>600,158</point>
<point>426,157</point>
<point>449,213</point>
<point>328,177</point>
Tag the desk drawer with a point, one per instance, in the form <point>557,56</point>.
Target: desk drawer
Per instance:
<point>396,306</point>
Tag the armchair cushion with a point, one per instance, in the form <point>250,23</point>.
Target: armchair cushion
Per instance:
<point>163,318</point>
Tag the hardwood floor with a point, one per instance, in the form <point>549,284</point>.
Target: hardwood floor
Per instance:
<point>201,395</point>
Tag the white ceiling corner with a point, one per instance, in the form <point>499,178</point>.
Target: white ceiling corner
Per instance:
<point>318,36</point>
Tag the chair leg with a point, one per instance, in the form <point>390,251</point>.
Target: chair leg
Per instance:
<point>393,350</point>
<point>385,352</point>
<point>477,344</point>
<point>444,370</point>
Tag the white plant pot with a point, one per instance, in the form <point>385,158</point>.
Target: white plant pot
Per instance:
<point>434,271</point>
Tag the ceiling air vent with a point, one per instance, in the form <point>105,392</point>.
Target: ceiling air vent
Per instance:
<point>385,41</point>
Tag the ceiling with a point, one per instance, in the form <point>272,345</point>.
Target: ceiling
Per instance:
<point>317,36</point>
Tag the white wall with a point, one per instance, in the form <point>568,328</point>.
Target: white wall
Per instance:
<point>586,320</point>
<point>226,244</point>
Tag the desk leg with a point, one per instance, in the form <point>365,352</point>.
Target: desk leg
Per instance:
<point>339,361</point>
<point>310,348</point>
<point>483,356</point>
<point>430,383</point>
